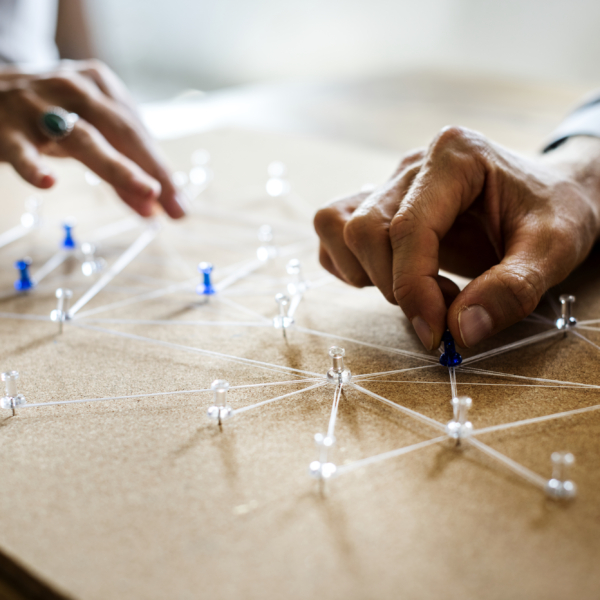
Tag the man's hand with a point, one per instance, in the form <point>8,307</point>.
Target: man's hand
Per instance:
<point>466,205</point>
<point>108,138</point>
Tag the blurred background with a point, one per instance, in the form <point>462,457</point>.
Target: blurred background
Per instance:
<point>478,61</point>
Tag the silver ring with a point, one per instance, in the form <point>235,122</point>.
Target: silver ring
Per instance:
<point>57,123</point>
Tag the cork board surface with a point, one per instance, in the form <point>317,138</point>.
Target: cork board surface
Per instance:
<point>147,498</point>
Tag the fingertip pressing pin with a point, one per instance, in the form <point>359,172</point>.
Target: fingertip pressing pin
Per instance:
<point>566,319</point>
<point>338,374</point>
<point>322,468</point>
<point>205,288</point>
<point>220,410</point>
<point>61,313</point>
<point>460,427</point>
<point>560,487</point>
<point>450,357</point>
<point>11,398</point>
<point>68,241</point>
<point>24,282</point>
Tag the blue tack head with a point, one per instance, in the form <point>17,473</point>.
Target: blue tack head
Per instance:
<point>450,357</point>
<point>68,242</point>
<point>206,287</point>
<point>24,282</point>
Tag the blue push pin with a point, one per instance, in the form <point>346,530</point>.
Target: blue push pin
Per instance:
<point>24,282</point>
<point>206,287</point>
<point>68,242</point>
<point>450,357</point>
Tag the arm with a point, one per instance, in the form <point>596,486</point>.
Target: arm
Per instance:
<point>73,35</point>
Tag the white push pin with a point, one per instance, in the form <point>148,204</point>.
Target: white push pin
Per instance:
<point>201,173</point>
<point>266,250</point>
<point>91,264</point>
<point>61,313</point>
<point>323,469</point>
<point>566,319</point>
<point>460,427</point>
<point>277,184</point>
<point>220,410</point>
<point>294,268</point>
<point>11,398</point>
<point>560,487</point>
<point>31,218</point>
<point>282,321</point>
<point>338,375</point>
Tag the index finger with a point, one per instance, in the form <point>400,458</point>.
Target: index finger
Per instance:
<point>451,178</point>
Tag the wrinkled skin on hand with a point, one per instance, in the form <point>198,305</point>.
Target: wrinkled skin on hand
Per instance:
<point>108,138</point>
<point>516,225</point>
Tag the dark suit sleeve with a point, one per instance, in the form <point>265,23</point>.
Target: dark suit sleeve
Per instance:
<point>584,120</point>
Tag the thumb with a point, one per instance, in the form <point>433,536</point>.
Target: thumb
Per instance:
<point>506,293</point>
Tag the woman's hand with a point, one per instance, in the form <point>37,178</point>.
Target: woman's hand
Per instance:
<point>108,138</point>
<point>517,225</point>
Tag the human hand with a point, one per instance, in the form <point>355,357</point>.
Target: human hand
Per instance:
<point>517,225</point>
<point>108,138</point>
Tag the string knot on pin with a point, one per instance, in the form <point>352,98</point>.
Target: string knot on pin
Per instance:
<point>450,357</point>
<point>460,427</point>
<point>220,410</point>
<point>11,398</point>
<point>338,374</point>
<point>566,319</point>
<point>24,283</point>
<point>560,487</point>
<point>322,468</point>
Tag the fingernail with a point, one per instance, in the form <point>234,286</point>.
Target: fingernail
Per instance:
<point>475,324</point>
<point>423,331</point>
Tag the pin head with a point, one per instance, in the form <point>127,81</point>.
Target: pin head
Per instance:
<point>205,267</point>
<point>63,293</point>
<point>560,487</point>
<point>219,385</point>
<point>336,352</point>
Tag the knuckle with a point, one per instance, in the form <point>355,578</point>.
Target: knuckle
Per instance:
<point>525,285</point>
<point>409,159</point>
<point>450,137</point>
<point>356,232</point>
<point>325,220</point>
<point>358,279</point>
<point>403,224</point>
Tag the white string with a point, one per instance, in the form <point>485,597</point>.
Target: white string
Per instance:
<point>509,347</point>
<point>568,413</point>
<point>397,371</point>
<point>47,268</point>
<point>176,393</point>
<point>19,317</point>
<point>386,455</point>
<point>244,310</point>
<point>515,467</point>
<point>228,357</point>
<point>588,322</point>
<point>509,375</point>
<point>239,274</point>
<point>413,381</point>
<point>186,323</point>
<point>176,287</point>
<point>408,411</point>
<point>13,234</point>
<point>294,303</point>
<point>415,355</point>
<point>334,410</point>
<point>553,303</point>
<point>142,241</point>
<point>453,387</point>
<point>113,229</point>
<point>586,340</point>
<point>245,408</point>
<point>580,326</point>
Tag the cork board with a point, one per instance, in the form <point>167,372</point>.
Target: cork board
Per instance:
<point>145,497</point>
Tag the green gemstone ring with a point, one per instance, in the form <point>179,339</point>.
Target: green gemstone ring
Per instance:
<point>57,123</point>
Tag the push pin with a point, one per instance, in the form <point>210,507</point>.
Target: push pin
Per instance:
<point>282,321</point>
<point>220,410</point>
<point>560,487</point>
<point>450,357</point>
<point>338,375</point>
<point>566,319</point>
<point>323,469</point>
<point>24,282</point>
<point>294,268</point>
<point>69,242</point>
<point>11,398</point>
<point>266,250</point>
<point>460,428</point>
<point>91,264</point>
<point>31,218</point>
<point>277,184</point>
<point>205,288</point>
<point>61,314</point>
